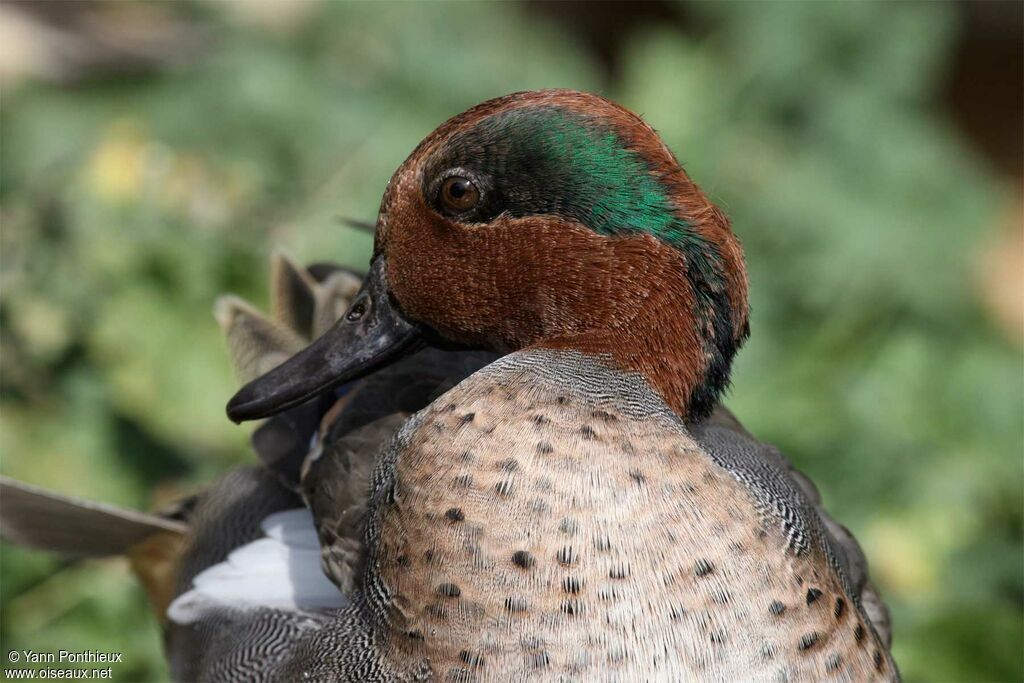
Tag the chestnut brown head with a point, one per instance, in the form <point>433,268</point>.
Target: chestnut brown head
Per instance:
<point>550,219</point>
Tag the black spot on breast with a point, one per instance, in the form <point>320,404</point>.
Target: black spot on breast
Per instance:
<point>638,477</point>
<point>403,561</point>
<point>504,488</point>
<point>767,651</point>
<point>717,637</point>
<point>776,608</point>
<point>474,659</point>
<point>833,662</point>
<point>467,418</point>
<point>568,526</point>
<point>572,607</point>
<point>602,543</point>
<point>562,400</point>
<point>540,660</point>
<point>464,481</point>
<point>544,448</point>
<point>812,595</point>
<point>807,641</point>
<point>467,457</point>
<point>515,604</point>
<point>414,635</point>
<point>858,632</point>
<point>389,492</point>
<point>509,465</point>
<point>567,556</point>
<point>572,585</point>
<point>455,515</point>
<point>878,660</point>
<point>523,559</point>
<point>721,597</point>
<point>449,590</point>
<point>703,568</point>
<point>840,608</point>
<point>604,415</point>
<point>428,555</point>
<point>619,571</point>
<point>541,419</point>
<point>587,432</point>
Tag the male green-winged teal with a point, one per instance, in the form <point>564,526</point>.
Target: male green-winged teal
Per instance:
<point>567,511</point>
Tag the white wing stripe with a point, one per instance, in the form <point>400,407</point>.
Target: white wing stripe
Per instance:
<point>281,571</point>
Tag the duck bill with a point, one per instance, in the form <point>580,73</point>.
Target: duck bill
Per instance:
<point>373,333</point>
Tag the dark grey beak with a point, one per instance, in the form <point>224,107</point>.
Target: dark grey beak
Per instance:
<point>371,334</point>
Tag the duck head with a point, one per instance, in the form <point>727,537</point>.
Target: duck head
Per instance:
<point>551,219</point>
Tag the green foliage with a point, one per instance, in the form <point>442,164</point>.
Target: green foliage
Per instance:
<point>127,205</point>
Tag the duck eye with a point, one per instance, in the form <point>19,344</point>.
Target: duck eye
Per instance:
<point>459,193</point>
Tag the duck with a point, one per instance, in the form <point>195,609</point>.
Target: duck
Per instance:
<point>556,513</point>
<point>502,454</point>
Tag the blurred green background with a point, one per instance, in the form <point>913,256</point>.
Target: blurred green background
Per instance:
<point>868,154</point>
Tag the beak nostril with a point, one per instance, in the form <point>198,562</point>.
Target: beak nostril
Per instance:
<point>356,312</point>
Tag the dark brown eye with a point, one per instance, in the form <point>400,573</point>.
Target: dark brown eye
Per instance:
<point>459,194</point>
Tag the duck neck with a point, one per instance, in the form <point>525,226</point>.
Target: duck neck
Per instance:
<point>673,367</point>
<point>678,332</point>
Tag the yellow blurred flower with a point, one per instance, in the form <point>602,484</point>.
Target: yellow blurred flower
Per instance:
<point>903,557</point>
<point>115,170</point>
<point>130,166</point>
